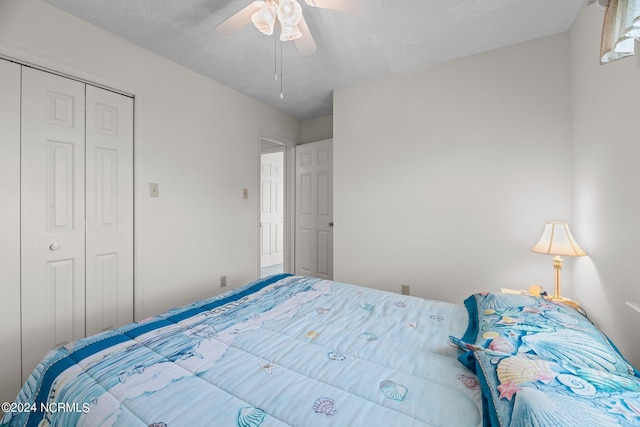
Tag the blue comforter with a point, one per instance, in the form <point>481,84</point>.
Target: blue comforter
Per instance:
<point>287,350</point>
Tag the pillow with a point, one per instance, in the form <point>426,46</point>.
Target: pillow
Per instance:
<point>543,363</point>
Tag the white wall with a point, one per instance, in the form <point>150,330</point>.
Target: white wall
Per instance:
<point>198,139</point>
<point>9,233</point>
<point>444,177</point>
<point>316,129</point>
<point>606,175</point>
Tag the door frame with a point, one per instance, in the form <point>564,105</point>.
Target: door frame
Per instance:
<point>268,143</point>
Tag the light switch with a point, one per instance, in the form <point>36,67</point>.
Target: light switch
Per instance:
<point>154,189</point>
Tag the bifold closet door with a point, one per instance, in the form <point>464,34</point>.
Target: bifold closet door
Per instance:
<point>52,213</point>
<point>76,212</point>
<point>109,210</point>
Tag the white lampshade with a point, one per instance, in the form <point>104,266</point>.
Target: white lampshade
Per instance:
<point>557,240</point>
<point>289,15</point>
<point>265,18</point>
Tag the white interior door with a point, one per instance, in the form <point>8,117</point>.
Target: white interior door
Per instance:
<point>314,209</point>
<point>76,212</point>
<point>272,209</point>
<point>109,210</point>
<point>52,206</point>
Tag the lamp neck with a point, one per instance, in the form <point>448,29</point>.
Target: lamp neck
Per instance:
<point>557,266</point>
<point>557,262</point>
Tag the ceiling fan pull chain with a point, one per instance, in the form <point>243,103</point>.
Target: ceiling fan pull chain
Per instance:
<point>281,91</point>
<point>275,55</point>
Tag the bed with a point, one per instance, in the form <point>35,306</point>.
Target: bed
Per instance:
<point>285,350</point>
<point>298,351</point>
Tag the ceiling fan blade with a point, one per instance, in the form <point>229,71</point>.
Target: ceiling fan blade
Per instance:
<point>238,20</point>
<point>305,44</point>
<point>351,6</point>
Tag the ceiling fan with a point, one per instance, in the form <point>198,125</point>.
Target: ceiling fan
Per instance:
<point>287,14</point>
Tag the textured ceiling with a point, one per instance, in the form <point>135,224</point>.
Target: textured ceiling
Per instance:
<point>389,37</point>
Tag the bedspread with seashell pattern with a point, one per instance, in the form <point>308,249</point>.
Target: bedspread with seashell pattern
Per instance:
<point>286,350</point>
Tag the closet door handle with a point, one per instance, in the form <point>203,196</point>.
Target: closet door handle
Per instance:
<point>54,246</point>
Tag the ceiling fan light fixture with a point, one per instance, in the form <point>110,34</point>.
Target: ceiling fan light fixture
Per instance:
<point>265,19</point>
<point>290,33</point>
<point>289,15</point>
<point>289,11</point>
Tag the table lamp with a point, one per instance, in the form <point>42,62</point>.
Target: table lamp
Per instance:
<point>557,240</point>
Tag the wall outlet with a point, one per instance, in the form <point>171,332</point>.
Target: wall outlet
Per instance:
<point>406,290</point>
<point>223,281</point>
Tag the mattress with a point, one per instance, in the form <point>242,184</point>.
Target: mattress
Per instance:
<point>286,350</point>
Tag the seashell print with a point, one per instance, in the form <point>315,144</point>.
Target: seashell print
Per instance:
<point>393,390</point>
<point>508,320</point>
<point>500,301</point>
<point>158,425</point>
<point>325,405</point>
<point>608,382</point>
<point>412,325</point>
<point>490,335</point>
<point>501,345</point>
<point>527,327</point>
<point>400,304</point>
<point>633,405</point>
<point>521,370</point>
<point>334,355</point>
<point>368,336</point>
<point>267,367</point>
<point>533,407</point>
<point>250,416</point>
<point>323,310</point>
<point>437,318</point>
<point>469,382</point>
<point>366,307</point>
<point>577,384</point>
<point>531,310</point>
<point>576,349</point>
<point>562,319</point>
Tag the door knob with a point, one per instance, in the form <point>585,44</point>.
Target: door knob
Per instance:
<point>331,224</point>
<point>54,246</point>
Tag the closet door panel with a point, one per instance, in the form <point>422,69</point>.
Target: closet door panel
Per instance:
<point>52,206</point>
<point>109,215</point>
<point>10,380</point>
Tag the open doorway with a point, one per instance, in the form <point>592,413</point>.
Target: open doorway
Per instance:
<point>271,213</point>
<point>275,207</point>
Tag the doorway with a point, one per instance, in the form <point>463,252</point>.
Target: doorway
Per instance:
<point>274,205</point>
<point>271,213</point>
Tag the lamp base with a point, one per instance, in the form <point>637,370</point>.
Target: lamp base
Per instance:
<point>563,300</point>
